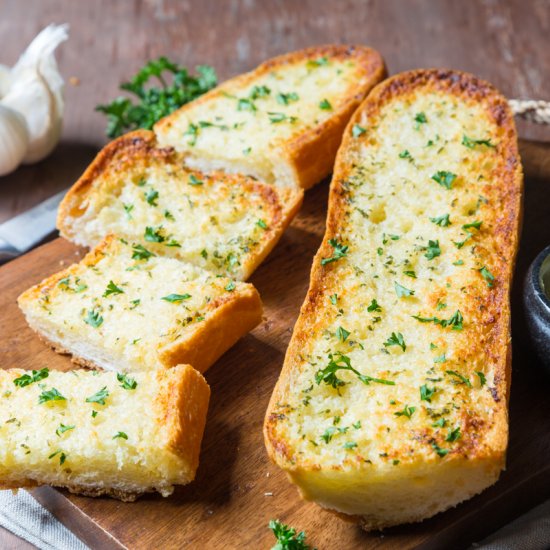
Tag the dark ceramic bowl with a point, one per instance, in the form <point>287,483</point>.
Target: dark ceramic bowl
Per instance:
<point>536,299</point>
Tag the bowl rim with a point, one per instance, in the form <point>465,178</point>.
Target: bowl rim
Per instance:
<point>536,276</point>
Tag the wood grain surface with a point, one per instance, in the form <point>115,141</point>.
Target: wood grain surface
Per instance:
<point>228,506</point>
<point>237,490</point>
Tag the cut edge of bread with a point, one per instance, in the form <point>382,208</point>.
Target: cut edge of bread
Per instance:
<point>183,401</point>
<point>482,470</point>
<point>305,159</point>
<point>232,319</point>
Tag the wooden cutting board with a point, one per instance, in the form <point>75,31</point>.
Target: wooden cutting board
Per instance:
<point>237,490</point>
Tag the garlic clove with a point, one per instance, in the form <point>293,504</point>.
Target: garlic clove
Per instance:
<point>31,97</point>
<point>5,80</point>
<point>40,55</point>
<point>14,139</point>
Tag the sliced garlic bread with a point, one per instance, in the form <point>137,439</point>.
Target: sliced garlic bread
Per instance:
<point>281,123</point>
<point>124,308</point>
<point>392,402</point>
<point>101,433</point>
<point>143,193</point>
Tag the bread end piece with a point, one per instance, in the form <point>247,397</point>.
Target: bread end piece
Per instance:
<point>163,419</point>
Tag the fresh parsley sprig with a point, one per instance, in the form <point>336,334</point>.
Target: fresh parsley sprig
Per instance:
<point>178,87</point>
<point>287,538</point>
<point>339,361</point>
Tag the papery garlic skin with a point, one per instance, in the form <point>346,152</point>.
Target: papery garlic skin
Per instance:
<point>34,88</point>
<point>14,139</point>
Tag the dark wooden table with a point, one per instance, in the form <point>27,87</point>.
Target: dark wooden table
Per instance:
<point>505,42</point>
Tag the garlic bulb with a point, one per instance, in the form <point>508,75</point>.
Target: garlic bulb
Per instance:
<point>34,88</point>
<point>31,97</point>
<point>14,139</point>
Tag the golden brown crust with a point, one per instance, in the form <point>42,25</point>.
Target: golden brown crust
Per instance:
<point>506,225</point>
<point>310,155</point>
<point>140,148</point>
<point>231,319</point>
<point>184,405</point>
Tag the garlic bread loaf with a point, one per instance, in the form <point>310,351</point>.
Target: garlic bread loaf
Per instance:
<point>124,308</point>
<point>143,193</point>
<point>281,123</point>
<point>99,433</point>
<point>392,402</point>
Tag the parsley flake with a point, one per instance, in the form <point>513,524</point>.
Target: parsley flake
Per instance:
<point>99,397</point>
<point>35,376</point>
<point>357,130</point>
<point>340,251</point>
<point>50,395</point>
<point>93,318</point>
<point>176,298</point>
<point>444,178</point>
<point>112,289</point>
<point>127,383</point>
<point>396,340</point>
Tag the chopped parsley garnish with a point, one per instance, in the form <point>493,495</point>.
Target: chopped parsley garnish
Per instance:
<point>442,221</point>
<point>50,395</point>
<point>463,379</point>
<point>325,105</point>
<point>407,411</point>
<point>357,425</point>
<point>441,423</point>
<point>340,251</point>
<point>432,250</point>
<point>285,99</point>
<point>139,252</point>
<point>261,223</point>
<point>259,91</point>
<point>275,118</point>
<point>287,538</point>
<point>426,393</point>
<point>176,298</point>
<point>406,155</point>
<point>151,197</point>
<point>420,118</point>
<point>112,289</point>
<point>120,435</point>
<point>128,209</point>
<point>444,178</point>
<point>396,340</point>
<point>474,225</point>
<point>338,361</point>
<point>153,235</point>
<point>168,215</point>
<point>126,382</point>
<point>155,102</point>
<point>453,435</point>
<point>35,376</point>
<point>488,276</point>
<point>357,130</point>
<point>94,414</point>
<point>374,306</point>
<point>411,274</point>
<point>246,105</point>
<point>62,429</point>
<point>471,143</point>
<point>322,61</point>
<point>99,397</point>
<point>441,452</point>
<point>331,431</point>
<point>333,299</point>
<point>455,321</point>
<point>482,379</point>
<point>93,318</point>
<point>401,291</point>
<point>350,445</point>
<point>193,180</point>
<point>440,358</point>
<point>342,334</point>
<point>230,286</point>
<point>62,456</point>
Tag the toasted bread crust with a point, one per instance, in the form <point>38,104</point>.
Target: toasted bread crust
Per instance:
<point>229,322</point>
<point>140,148</point>
<point>488,455</point>
<point>310,155</point>
<point>181,407</point>
<point>230,318</point>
